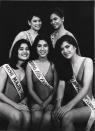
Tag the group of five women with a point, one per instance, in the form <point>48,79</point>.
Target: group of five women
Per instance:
<point>46,80</point>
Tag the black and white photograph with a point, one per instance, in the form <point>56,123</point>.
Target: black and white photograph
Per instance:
<point>47,65</point>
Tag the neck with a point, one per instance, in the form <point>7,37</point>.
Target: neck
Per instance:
<point>61,31</point>
<point>42,59</point>
<point>33,31</point>
<point>74,59</point>
<point>19,64</point>
<point>61,28</point>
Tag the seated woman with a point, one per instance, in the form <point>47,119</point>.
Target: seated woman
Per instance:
<point>13,89</point>
<point>75,102</point>
<point>42,83</point>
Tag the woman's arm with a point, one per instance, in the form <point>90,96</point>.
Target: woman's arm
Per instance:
<point>3,98</point>
<point>87,80</point>
<point>60,92</point>
<point>30,85</point>
<point>19,36</point>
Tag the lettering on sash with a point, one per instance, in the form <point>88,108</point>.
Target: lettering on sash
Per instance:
<point>38,74</point>
<point>87,101</point>
<point>14,79</point>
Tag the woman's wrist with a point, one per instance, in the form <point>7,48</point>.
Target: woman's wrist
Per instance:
<point>58,102</point>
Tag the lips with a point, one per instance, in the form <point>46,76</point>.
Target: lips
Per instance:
<point>42,52</point>
<point>67,55</point>
<point>24,55</point>
<point>38,26</point>
<point>54,25</point>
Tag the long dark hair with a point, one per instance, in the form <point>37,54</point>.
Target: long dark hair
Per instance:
<point>63,65</point>
<point>14,54</point>
<point>34,47</point>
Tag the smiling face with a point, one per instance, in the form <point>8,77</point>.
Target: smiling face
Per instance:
<point>67,50</point>
<point>35,23</point>
<point>56,21</point>
<point>42,48</point>
<point>23,52</point>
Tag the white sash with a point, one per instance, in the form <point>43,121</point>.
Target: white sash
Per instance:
<point>90,103</point>
<point>14,79</point>
<point>29,37</point>
<point>38,74</point>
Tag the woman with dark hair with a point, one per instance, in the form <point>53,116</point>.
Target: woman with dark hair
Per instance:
<point>35,54</point>
<point>35,23</point>
<point>57,22</point>
<point>13,88</point>
<point>14,55</point>
<point>42,83</point>
<point>75,101</point>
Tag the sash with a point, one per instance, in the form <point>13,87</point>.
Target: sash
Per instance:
<point>87,100</point>
<point>38,74</point>
<point>29,37</point>
<point>14,80</point>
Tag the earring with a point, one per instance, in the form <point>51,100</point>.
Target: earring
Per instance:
<point>29,23</point>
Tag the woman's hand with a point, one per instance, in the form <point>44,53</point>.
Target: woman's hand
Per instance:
<point>56,112</point>
<point>44,105</point>
<point>21,107</point>
<point>61,111</point>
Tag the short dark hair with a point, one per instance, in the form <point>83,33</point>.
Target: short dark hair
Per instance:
<point>35,43</point>
<point>14,54</point>
<point>58,12</point>
<point>71,40</point>
<point>35,13</point>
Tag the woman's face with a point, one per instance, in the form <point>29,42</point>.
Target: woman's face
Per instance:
<point>23,52</point>
<point>56,21</point>
<point>35,23</point>
<point>67,50</point>
<point>42,48</point>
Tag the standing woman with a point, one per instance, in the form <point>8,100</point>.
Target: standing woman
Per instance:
<point>57,22</point>
<point>13,88</point>
<point>42,83</point>
<point>35,23</point>
<point>75,101</point>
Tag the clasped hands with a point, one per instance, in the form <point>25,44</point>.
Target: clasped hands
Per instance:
<point>21,106</point>
<point>59,112</point>
<point>45,106</point>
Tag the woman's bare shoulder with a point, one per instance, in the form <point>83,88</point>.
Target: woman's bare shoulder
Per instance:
<point>88,60</point>
<point>2,72</point>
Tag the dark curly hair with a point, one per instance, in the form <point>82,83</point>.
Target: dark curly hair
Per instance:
<point>14,55</point>
<point>57,11</point>
<point>35,43</point>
